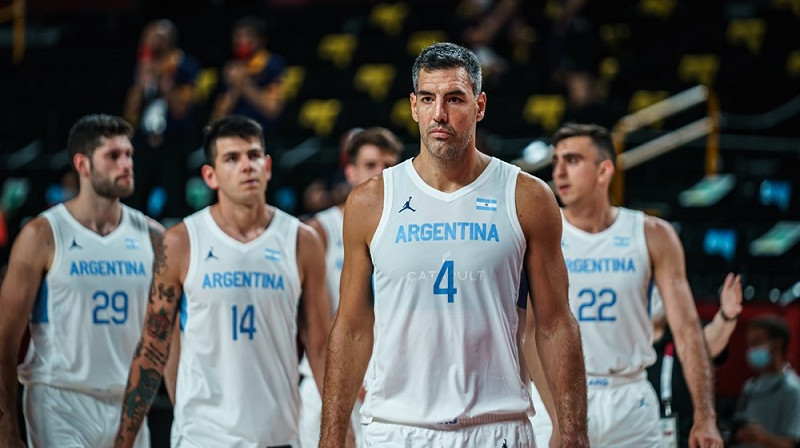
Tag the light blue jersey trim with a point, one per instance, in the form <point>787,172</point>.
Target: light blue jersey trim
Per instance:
<point>39,314</point>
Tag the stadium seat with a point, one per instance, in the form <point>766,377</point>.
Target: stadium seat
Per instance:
<point>319,115</point>
<point>698,68</point>
<point>375,79</point>
<point>661,9</point>
<point>544,110</point>
<point>748,32</point>
<point>293,81</point>
<point>419,40</point>
<point>389,17</point>
<point>337,48</point>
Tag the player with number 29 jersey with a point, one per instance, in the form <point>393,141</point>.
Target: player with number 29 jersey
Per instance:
<point>238,360</point>
<point>90,309</point>
<point>609,284</point>
<point>447,268</point>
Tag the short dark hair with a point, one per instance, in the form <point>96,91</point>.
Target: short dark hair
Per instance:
<point>86,134</point>
<point>230,126</point>
<point>776,328</point>
<point>598,134</point>
<point>446,55</point>
<point>257,25</point>
<point>378,136</point>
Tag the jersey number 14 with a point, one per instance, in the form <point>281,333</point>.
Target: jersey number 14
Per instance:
<point>243,324</point>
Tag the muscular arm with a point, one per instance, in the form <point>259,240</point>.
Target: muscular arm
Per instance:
<point>169,268</point>
<point>538,376</point>
<point>718,332</point>
<point>316,304</point>
<point>669,272</point>
<point>557,336</point>
<point>30,258</point>
<point>350,341</point>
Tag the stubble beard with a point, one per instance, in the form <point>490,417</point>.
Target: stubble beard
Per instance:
<point>106,188</point>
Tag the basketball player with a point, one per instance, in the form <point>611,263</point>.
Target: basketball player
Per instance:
<point>445,237</point>
<point>613,254</point>
<point>369,152</point>
<point>78,274</point>
<point>240,271</point>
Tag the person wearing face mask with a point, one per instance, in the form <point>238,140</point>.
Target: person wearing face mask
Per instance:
<point>768,414</point>
<point>253,79</point>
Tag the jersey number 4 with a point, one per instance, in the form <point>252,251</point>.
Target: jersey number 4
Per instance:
<point>599,304</point>
<point>243,324</point>
<point>446,274</point>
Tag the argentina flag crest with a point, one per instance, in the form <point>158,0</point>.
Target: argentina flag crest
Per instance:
<point>486,204</point>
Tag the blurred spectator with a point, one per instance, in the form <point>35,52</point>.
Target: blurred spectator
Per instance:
<point>160,103</point>
<point>768,413</point>
<point>253,80</point>
<point>489,24</point>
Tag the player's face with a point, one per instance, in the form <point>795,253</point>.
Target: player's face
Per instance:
<point>370,161</point>
<point>241,170</point>
<point>111,167</point>
<point>447,112</point>
<point>576,170</point>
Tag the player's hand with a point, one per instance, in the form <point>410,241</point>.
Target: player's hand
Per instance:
<point>705,434</point>
<point>730,299</point>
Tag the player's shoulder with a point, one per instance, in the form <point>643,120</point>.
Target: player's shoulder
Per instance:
<point>656,227</point>
<point>37,232</point>
<point>176,237</point>
<point>367,195</point>
<point>530,185</point>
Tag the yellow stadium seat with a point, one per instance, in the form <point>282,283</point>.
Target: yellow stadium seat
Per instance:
<point>375,79</point>
<point>698,68</point>
<point>545,110</point>
<point>792,5</point>
<point>793,64</point>
<point>401,117</point>
<point>319,115</point>
<point>662,9</point>
<point>292,81</point>
<point>609,68</point>
<point>747,32</point>
<point>643,98</point>
<point>389,17</point>
<point>337,48</point>
<point>205,84</point>
<point>613,33</point>
<point>421,39</point>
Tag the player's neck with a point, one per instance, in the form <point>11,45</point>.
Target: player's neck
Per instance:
<point>449,176</point>
<point>98,214</point>
<point>240,222</point>
<point>592,217</point>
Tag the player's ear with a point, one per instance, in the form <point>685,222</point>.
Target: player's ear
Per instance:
<point>209,176</point>
<point>414,115</point>
<point>481,105</point>
<point>82,164</point>
<point>269,167</point>
<point>606,170</point>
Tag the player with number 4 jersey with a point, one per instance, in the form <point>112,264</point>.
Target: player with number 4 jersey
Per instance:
<point>78,277</point>
<point>444,238</point>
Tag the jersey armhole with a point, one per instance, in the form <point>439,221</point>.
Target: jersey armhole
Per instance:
<point>388,183</point>
<point>511,199</point>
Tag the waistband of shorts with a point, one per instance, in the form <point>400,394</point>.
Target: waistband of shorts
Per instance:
<point>609,381</point>
<point>464,422</point>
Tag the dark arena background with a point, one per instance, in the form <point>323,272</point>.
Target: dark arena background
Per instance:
<point>703,98</point>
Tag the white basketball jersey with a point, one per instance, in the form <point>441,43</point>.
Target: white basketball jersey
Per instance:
<point>446,278</point>
<point>609,281</point>
<point>88,316</point>
<point>331,220</point>
<point>237,374</point>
